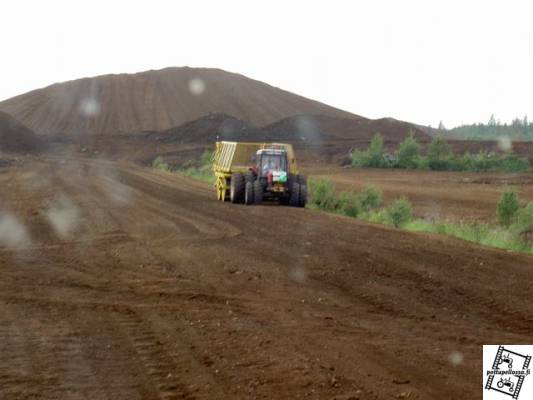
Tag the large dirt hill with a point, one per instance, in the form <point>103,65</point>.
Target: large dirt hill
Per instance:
<point>314,128</point>
<point>298,128</point>
<point>17,138</point>
<point>156,101</point>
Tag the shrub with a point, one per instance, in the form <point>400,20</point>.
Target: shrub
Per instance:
<point>206,158</point>
<point>507,207</point>
<point>400,212</point>
<point>323,194</point>
<point>159,163</point>
<point>359,158</point>
<point>379,217</point>
<point>348,204</point>
<point>204,174</point>
<point>513,163</point>
<point>369,199</point>
<point>376,152</point>
<point>439,154</point>
<point>373,157</point>
<point>523,224</point>
<point>408,152</point>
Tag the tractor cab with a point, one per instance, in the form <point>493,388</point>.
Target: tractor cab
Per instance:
<point>272,164</point>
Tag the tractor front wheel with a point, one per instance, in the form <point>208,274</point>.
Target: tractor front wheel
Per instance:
<point>295,195</point>
<point>303,195</point>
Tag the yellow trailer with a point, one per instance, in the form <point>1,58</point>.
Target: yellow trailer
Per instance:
<point>250,172</point>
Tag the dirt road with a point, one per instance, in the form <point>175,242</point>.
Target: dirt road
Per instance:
<point>125,283</point>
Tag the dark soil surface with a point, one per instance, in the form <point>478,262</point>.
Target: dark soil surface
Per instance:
<point>120,282</point>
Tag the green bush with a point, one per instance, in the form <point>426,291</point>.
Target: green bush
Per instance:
<point>378,217</point>
<point>159,163</point>
<point>439,154</point>
<point>322,194</point>
<point>400,212</point>
<point>373,157</point>
<point>439,157</point>
<point>408,152</point>
<point>207,158</point>
<point>348,204</point>
<point>369,199</point>
<point>204,174</point>
<point>359,158</point>
<point>513,163</point>
<point>522,226</point>
<point>507,207</point>
<point>376,152</point>
<point>489,161</point>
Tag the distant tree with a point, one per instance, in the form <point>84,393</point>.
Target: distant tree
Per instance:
<point>408,152</point>
<point>439,152</point>
<point>376,152</point>
<point>507,207</point>
<point>492,121</point>
<point>441,126</point>
<point>517,123</point>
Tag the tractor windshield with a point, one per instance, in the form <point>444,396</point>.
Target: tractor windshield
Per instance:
<point>273,162</point>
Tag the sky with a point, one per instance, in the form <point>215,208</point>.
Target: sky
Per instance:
<point>418,61</point>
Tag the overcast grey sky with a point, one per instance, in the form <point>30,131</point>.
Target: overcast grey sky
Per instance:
<point>420,61</point>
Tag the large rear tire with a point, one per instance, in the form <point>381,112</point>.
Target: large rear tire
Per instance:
<point>295,195</point>
<point>303,195</point>
<point>258,192</point>
<point>249,193</point>
<point>237,188</point>
<point>249,177</point>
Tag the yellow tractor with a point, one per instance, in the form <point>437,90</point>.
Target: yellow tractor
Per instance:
<point>252,172</point>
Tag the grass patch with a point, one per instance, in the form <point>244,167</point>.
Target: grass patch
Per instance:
<point>204,174</point>
<point>515,234</point>
<point>477,232</point>
<point>200,170</point>
<point>160,164</point>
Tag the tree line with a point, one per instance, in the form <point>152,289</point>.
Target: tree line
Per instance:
<point>518,129</point>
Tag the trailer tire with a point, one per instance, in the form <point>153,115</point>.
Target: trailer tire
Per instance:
<point>302,180</point>
<point>295,195</point>
<point>303,195</point>
<point>237,188</point>
<point>248,193</point>
<point>258,192</point>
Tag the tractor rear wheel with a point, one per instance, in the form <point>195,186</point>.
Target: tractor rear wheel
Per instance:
<point>302,180</point>
<point>249,177</point>
<point>303,195</point>
<point>295,195</point>
<point>258,192</point>
<point>237,188</point>
<point>248,193</point>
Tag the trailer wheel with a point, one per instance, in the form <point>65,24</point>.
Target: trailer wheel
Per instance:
<point>258,192</point>
<point>248,193</point>
<point>295,195</point>
<point>237,188</point>
<point>303,195</point>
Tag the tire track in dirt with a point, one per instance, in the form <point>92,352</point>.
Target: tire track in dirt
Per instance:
<point>157,363</point>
